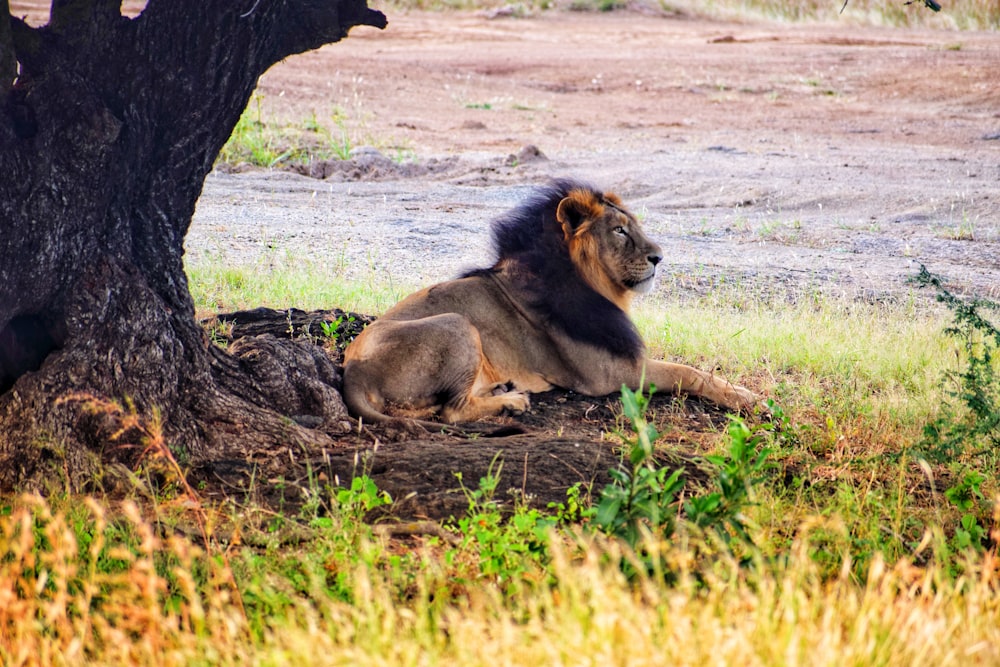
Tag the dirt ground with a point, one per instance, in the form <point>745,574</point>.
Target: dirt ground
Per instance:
<point>784,159</point>
<point>788,158</point>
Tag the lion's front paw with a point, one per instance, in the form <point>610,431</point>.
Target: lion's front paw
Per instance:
<point>516,402</point>
<point>749,403</point>
<point>743,400</point>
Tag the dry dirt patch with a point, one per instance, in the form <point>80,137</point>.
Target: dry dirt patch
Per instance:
<point>804,157</point>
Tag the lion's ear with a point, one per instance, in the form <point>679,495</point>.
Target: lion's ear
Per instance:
<point>577,208</point>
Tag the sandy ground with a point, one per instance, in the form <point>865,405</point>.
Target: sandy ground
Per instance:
<point>785,158</point>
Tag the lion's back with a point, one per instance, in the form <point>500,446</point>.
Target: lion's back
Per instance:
<point>471,297</point>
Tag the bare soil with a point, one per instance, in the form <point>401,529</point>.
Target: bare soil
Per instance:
<point>789,158</point>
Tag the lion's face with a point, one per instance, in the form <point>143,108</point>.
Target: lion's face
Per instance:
<point>608,246</point>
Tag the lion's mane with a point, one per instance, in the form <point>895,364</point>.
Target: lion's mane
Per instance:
<point>531,250</point>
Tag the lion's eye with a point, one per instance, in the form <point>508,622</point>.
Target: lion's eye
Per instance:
<point>620,230</point>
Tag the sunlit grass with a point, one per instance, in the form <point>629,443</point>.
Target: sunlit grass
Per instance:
<point>825,352</point>
<point>285,283</point>
<point>95,586</point>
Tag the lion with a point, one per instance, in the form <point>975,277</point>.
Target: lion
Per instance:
<point>552,311</point>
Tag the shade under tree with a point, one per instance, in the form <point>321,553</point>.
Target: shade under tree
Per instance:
<point>109,126</point>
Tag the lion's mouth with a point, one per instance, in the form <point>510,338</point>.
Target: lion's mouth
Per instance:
<point>643,285</point>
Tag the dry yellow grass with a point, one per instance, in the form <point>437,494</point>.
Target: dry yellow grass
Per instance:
<point>163,602</point>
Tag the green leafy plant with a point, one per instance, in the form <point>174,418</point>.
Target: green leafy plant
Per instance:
<point>741,468</point>
<point>332,331</point>
<point>362,496</point>
<point>640,498</point>
<point>965,495</point>
<point>507,549</point>
<point>642,501</point>
<point>576,509</point>
<point>975,427</point>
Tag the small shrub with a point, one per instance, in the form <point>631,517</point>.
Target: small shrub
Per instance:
<point>721,511</point>
<point>965,495</point>
<point>972,426</point>
<point>337,332</point>
<point>642,501</point>
<point>509,550</point>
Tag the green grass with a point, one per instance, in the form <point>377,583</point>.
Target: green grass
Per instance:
<point>261,139</point>
<point>282,282</point>
<point>832,354</point>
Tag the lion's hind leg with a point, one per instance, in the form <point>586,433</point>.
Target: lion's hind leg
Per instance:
<point>483,393</point>
<point>476,405</point>
<point>432,363</point>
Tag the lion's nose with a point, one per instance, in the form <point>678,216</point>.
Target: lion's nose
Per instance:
<point>654,259</point>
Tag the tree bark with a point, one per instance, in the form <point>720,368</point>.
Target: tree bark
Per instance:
<point>8,61</point>
<point>106,137</point>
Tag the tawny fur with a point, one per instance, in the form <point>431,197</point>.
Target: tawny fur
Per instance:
<point>550,312</point>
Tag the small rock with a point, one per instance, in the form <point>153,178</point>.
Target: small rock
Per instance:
<point>529,153</point>
<point>365,151</point>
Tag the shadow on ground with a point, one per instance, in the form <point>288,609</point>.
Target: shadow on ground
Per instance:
<point>566,439</point>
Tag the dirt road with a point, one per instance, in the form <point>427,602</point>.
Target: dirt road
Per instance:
<point>787,158</point>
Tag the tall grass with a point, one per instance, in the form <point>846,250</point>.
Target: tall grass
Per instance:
<point>98,587</point>
<point>73,591</point>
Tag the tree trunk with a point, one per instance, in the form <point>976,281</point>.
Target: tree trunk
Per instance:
<point>106,136</point>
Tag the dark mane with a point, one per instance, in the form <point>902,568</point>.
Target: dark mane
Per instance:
<point>530,249</point>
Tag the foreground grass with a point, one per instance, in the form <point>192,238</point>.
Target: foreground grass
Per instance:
<point>81,584</point>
